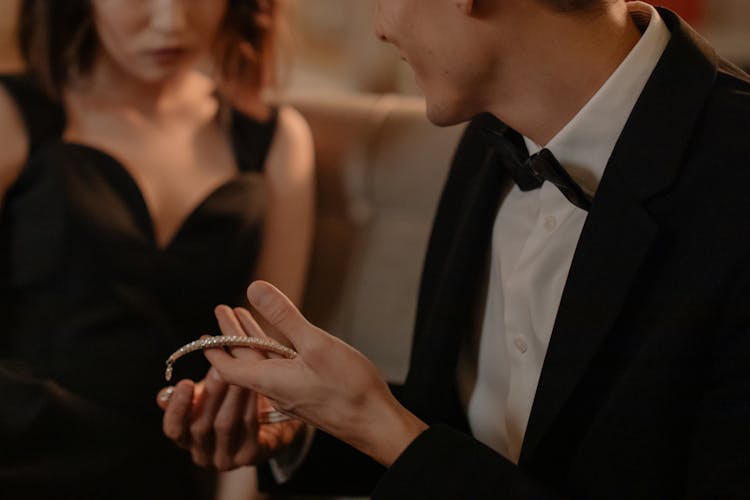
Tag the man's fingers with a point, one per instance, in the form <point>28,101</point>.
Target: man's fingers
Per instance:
<point>228,322</point>
<point>248,323</point>
<point>177,414</point>
<point>280,312</point>
<point>231,327</point>
<point>265,377</point>
<point>252,328</point>
<point>232,370</point>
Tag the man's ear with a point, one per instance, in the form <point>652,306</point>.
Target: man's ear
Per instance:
<point>465,6</point>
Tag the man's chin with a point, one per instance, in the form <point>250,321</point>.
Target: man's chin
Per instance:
<point>445,116</point>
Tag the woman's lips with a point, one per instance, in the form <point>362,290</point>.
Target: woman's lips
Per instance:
<point>168,55</point>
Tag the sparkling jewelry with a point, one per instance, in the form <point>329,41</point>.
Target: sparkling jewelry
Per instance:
<point>272,417</point>
<point>167,394</point>
<point>266,345</point>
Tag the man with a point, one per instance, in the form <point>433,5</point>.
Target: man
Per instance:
<point>583,332</point>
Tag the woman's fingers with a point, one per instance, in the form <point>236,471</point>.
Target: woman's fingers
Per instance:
<point>227,427</point>
<point>176,421</point>
<point>248,448</point>
<point>202,426</point>
<point>163,397</point>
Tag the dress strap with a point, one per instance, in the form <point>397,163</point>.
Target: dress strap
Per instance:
<point>44,117</point>
<point>251,139</point>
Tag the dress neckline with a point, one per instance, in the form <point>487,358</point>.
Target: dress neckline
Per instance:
<point>143,211</point>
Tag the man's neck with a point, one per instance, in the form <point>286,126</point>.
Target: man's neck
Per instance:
<point>572,57</point>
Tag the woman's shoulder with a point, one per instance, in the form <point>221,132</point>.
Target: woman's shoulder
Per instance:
<point>292,123</point>
<point>290,157</point>
<point>293,135</point>
<point>259,134</point>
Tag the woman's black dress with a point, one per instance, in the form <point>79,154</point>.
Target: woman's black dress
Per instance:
<point>91,308</point>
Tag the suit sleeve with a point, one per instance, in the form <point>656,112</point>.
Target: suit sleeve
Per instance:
<point>445,463</point>
<point>331,468</point>
<point>719,465</point>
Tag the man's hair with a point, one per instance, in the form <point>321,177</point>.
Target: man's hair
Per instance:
<point>58,40</point>
<point>575,5</point>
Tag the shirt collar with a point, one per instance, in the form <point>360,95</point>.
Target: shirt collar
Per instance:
<point>585,144</point>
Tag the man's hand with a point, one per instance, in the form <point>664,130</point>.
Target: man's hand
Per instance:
<point>329,384</point>
<point>218,422</point>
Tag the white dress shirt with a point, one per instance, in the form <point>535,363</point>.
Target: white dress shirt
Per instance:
<point>534,238</point>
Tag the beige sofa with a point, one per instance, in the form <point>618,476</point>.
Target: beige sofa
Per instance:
<point>381,166</point>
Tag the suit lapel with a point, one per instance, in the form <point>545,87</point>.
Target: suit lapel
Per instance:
<point>619,231</point>
<point>453,267</point>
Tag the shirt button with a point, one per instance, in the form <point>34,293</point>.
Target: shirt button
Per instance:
<point>550,223</point>
<point>521,345</point>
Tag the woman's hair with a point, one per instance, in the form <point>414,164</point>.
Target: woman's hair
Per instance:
<point>58,41</point>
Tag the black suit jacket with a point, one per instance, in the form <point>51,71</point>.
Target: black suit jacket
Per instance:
<point>645,388</point>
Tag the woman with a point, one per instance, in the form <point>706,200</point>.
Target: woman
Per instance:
<point>143,181</point>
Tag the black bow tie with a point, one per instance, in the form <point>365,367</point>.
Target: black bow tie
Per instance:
<point>530,172</point>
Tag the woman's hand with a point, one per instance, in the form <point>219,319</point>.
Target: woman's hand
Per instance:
<point>329,385</point>
<point>218,422</point>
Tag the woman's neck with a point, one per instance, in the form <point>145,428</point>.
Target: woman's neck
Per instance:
<point>107,86</point>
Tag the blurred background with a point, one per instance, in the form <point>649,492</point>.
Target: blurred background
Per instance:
<point>333,47</point>
<point>380,164</point>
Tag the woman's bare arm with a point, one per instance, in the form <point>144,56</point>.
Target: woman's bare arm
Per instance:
<point>14,142</point>
<point>289,224</point>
